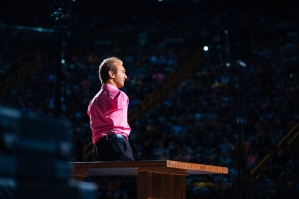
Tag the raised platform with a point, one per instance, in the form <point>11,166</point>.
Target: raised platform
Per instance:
<point>84,169</point>
<point>156,179</point>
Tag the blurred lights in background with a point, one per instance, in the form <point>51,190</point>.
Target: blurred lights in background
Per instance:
<point>205,48</point>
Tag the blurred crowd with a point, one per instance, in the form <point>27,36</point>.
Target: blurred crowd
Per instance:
<point>200,120</point>
<point>280,178</point>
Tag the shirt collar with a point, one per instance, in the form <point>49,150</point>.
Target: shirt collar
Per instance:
<point>109,87</point>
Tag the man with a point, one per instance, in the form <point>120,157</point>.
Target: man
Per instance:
<point>108,114</point>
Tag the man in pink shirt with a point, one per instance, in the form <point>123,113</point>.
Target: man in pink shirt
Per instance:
<point>108,112</point>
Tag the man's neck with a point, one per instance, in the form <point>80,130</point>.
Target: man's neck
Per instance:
<point>111,83</point>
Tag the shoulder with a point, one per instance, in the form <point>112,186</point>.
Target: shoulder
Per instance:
<point>122,99</point>
<point>123,94</point>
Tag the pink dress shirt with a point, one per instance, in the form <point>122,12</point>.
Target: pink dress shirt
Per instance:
<point>108,111</point>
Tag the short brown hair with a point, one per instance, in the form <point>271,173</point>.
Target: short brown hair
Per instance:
<point>106,65</point>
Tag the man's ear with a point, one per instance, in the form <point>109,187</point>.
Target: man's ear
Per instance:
<point>111,74</point>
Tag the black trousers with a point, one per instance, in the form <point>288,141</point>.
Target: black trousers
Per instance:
<point>113,148</point>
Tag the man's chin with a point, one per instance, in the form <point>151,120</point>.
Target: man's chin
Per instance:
<point>120,86</point>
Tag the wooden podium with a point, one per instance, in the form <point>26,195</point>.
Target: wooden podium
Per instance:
<point>165,179</point>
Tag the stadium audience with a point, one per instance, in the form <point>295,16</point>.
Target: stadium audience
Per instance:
<point>198,121</point>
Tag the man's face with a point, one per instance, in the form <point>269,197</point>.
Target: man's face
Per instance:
<point>120,76</point>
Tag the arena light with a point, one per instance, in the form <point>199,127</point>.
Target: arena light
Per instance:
<point>205,48</point>
<point>241,63</point>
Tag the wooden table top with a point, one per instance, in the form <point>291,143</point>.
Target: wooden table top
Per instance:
<point>99,168</point>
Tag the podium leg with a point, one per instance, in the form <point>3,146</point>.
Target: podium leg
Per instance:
<point>161,185</point>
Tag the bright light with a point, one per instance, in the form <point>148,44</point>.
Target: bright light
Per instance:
<point>241,63</point>
<point>206,48</point>
<point>62,61</point>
